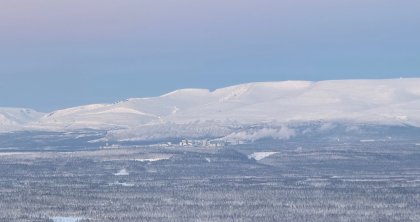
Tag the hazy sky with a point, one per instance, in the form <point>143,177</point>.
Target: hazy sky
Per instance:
<point>56,54</point>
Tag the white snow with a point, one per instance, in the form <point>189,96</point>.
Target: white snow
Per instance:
<point>261,155</point>
<point>16,118</point>
<point>122,172</point>
<point>152,159</point>
<point>6,154</point>
<point>184,112</point>
<point>122,184</point>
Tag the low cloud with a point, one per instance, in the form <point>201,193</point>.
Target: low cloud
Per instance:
<point>282,133</point>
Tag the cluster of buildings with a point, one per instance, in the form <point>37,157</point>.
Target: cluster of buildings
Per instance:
<point>201,143</point>
<point>182,143</point>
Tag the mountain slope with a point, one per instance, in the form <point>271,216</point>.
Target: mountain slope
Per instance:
<point>222,112</point>
<point>16,118</point>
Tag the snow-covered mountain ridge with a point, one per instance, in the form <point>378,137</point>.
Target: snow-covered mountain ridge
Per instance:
<point>215,113</point>
<point>16,118</point>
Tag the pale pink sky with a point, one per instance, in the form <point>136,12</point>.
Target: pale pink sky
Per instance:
<point>60,53</point>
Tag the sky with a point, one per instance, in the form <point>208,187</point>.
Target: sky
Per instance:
<point>58,54</point>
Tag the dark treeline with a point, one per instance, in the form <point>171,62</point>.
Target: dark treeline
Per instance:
<point>359,182</point>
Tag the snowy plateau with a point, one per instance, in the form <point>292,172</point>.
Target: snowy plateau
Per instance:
<point>284,110</point>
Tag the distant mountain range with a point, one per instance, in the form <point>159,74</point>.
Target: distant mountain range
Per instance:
<point>243,112</point>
